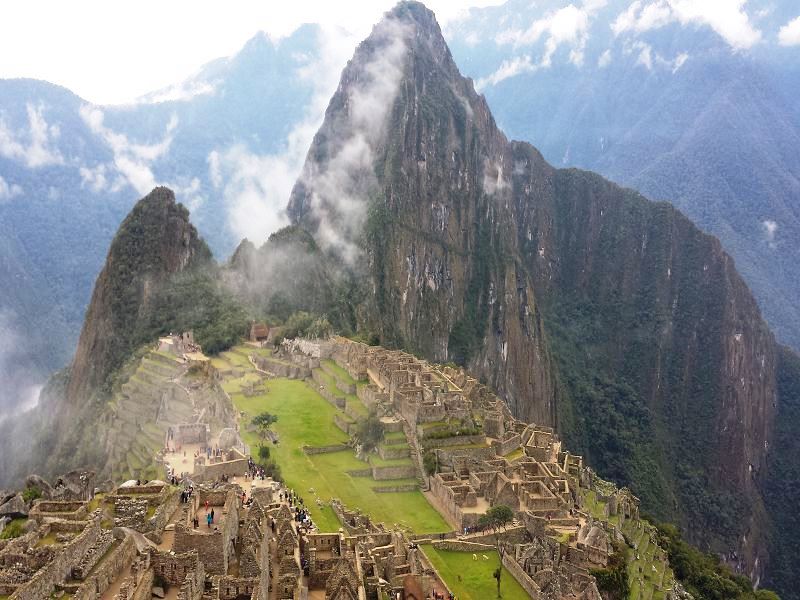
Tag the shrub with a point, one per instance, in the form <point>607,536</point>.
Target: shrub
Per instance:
<point>14,529</point>
<point>32,493</point>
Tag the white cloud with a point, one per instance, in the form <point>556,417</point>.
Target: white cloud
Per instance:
<point>183,37</point>
<point>8,191</point>
<point>678,61</point>
<point>770,229</point>
<point>648,58</point>
<point>568,26</point>
<point>493,180</point>
<point>789,34</point>
<point>132,161</point>
<point>339,188</point>
<point>604,59</point>
<point>727,18</point>
<point>214,169</point>
<point>183,91</point>
<point>508,68</point>
<point>255,188</point>
<point>94,178</point>
<point>37,150</point>
<point>645,57</point>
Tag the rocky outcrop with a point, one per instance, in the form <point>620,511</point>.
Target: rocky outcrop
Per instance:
<point>15,508</point>
<point>154,241</point>
<point>585,305</point>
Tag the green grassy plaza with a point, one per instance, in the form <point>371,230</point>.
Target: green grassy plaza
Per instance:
<point>306,419</point>
<point>472,579</point>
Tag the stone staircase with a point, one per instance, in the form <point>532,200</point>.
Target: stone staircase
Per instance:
<point>416,455</point>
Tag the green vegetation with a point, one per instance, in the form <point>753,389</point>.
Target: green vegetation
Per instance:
<point>14,529</point>
<point>263,423</point>
<point>30,494</point>
<point>474,580</point>
<point>306,419</point>
<point>303,324</point>
<point>429,462</point>
<point>468,332</point>
<point>612,581</point>
<point>782,493</point>
<point>497,516</point>
<point>370,431</point>
<point>703,575</point>
<point>218,322</point>
<point>605,416</point>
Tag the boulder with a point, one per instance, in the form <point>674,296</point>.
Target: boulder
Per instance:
<point>158,592</point>
<point>228,438</point>
<point>34,481</point>
<point>14,508</point>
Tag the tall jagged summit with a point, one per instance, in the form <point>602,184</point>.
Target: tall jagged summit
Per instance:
<point>588,307</point>
<point>155,241</point>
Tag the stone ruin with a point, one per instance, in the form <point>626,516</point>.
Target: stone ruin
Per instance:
<point>153,540</point>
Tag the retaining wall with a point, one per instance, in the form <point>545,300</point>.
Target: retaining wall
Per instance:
<point>45,579</point>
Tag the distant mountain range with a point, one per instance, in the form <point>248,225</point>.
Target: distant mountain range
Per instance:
<point>698,112</point>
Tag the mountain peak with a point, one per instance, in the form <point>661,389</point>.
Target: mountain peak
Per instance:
<point>155,241</point>
<point>415,13</point>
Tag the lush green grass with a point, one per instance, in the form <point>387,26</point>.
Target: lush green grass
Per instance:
<point>265,352</point>
<point>515,454</point>
<point>469,579</point>
<point>340,372</point>
<point>306,419</point>
<point>377,461</point>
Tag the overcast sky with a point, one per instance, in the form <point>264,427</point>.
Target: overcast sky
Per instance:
<point>111,52</point>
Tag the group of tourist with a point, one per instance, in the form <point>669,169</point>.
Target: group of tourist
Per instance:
<point>255,471</point>
<point>186,494</point>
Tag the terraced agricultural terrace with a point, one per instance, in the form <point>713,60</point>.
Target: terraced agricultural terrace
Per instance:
<point>306,419</point>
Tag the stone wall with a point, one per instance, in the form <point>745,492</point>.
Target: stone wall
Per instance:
<point>310,450</point>
<point>191,433</point>
<point>231,588</point>
<point>507,445</point>
<point>281,369</point>
<point>342,424</point>
<point>321,388</point>
<point>163,513</point>
<point>173,569</point>
<point>528,584</point>
<point>44,581</point>
<point>104,540</point>
<point>215,547</point>
<point>403,472</point>
<point>108,571</point>
<point>462,546</point>
<point>456,440</point>
<point>393,451</point>
<point>71,510</point>
<point>215,471</point>
<point>347,388</point>
<point>389,489</point>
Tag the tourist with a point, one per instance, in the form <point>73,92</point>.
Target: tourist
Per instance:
<point>212,515</point>
<point>208,520</point>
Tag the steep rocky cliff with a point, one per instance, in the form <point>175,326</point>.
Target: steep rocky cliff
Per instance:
<point>154,242</point>
<point>586,306</point>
